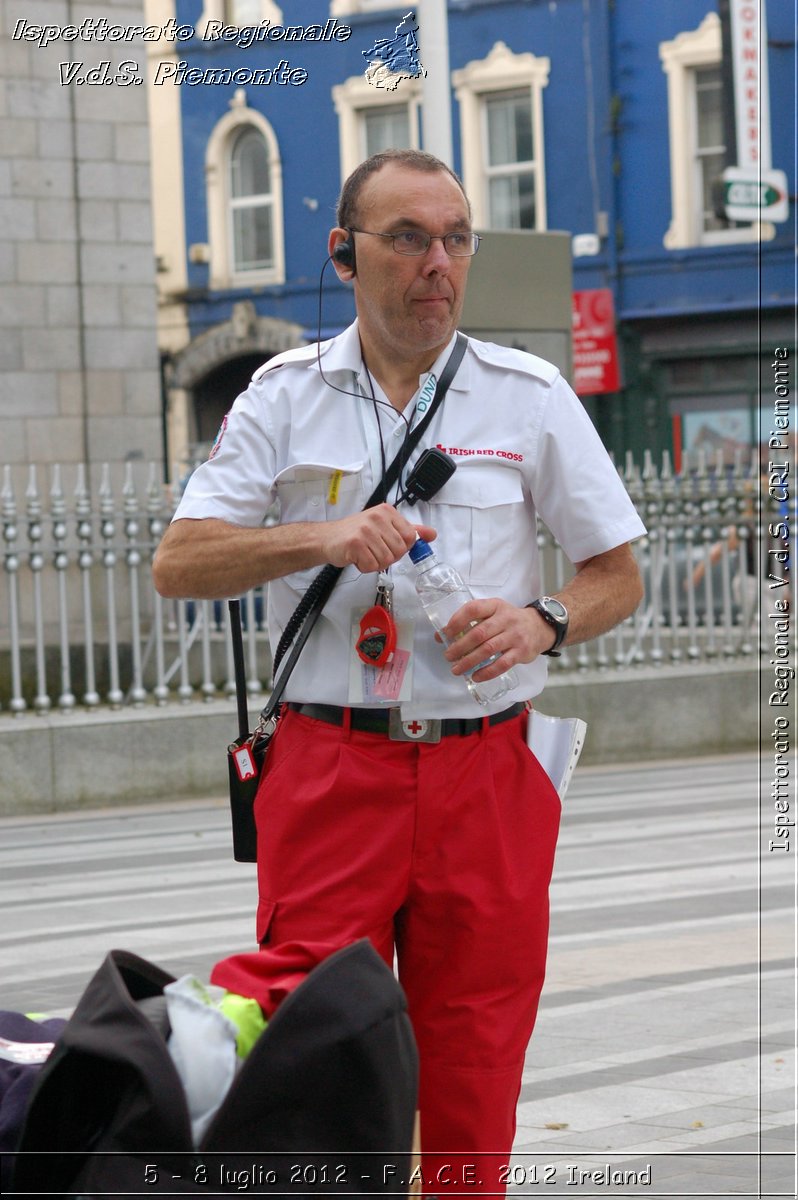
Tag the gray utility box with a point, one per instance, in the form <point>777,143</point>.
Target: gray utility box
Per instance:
<point>519,294</point>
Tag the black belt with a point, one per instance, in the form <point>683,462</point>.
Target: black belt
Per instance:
<point>375,720</point>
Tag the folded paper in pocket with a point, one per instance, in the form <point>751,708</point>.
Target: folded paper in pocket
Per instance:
<point>556,743</point>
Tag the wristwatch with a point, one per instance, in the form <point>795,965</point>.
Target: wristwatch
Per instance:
<point>556,614</point>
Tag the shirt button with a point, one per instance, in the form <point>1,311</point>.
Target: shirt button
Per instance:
<point>398,431</point>
<point>315,501</point>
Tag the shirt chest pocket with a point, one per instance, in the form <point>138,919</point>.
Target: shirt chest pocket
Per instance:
<point>479,519</point>
<point>319,491</point>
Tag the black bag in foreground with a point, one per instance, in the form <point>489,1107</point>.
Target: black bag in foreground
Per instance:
<point>323,1104</point>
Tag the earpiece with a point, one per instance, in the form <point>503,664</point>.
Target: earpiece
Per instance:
<point>344,253</point>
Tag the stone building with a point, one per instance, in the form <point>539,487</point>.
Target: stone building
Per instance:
<point>79,363</point>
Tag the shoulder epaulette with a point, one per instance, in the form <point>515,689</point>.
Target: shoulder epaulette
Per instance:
<point>299,356</point>
<point>508,359</point>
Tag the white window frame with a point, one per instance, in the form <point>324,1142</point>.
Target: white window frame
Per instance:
<point>354,98</point>
<point>217,181</point>
<point>213,10</point>
<point>680,57</point>
<point>500,71</point>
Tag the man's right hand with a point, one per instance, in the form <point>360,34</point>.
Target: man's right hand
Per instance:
<point>371,540</point>
<point>208,559</point>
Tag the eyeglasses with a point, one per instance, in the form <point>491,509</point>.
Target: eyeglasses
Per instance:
<point>413,242</point>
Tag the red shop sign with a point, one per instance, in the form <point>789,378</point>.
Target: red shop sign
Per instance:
<point>594,343</point>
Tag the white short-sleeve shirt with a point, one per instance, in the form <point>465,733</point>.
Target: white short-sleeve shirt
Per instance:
<point>523,445</point>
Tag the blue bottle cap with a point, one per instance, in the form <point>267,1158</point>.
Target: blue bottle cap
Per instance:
<point>419,551</point>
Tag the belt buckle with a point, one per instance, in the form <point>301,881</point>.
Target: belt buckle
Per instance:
<point>415,730</point>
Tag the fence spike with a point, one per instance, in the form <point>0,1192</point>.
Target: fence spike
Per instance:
<point>129,488</point>
<point>56,490</point>
<point>153,487</point>
<point>32,491</point>
<point>7,497</point>
<point>82,507</point>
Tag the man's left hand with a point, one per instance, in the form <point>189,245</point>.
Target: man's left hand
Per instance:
<point>605,589</point>
<point>519,635</point>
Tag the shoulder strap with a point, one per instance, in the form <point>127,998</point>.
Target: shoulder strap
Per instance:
<point>441,388</point>
<point>307,612</point>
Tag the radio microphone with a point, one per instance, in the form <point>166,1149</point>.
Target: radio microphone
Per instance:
<point>428,476</point>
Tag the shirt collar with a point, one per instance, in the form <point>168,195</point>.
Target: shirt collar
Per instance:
<point>343,354</point>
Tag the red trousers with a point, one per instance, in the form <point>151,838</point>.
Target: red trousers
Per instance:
<point>442,853</point>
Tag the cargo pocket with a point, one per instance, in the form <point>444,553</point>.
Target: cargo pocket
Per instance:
<point>319,492</point>
<point>481,509</point>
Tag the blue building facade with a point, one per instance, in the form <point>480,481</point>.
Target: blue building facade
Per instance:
<point>605,120</point>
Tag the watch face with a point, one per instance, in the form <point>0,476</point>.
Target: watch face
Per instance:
<point>555,609</point>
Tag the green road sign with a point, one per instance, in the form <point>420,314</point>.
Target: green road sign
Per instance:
<point>750,196</point>
<point>754,195</point>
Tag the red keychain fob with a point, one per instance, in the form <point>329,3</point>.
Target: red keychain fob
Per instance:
<point>377,638</point>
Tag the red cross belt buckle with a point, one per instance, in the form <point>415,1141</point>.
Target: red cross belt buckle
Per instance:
<point>415,730</point>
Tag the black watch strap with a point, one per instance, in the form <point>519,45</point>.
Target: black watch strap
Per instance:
<point>560,628</point>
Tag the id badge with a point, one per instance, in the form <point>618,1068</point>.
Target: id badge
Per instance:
<point>391,684</point>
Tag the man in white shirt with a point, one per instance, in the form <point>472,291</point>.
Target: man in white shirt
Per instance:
<point>442,850</point>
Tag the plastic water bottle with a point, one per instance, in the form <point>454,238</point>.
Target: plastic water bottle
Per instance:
<point>442,591</point>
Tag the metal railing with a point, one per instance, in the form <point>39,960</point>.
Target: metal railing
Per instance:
<point>81,624</point>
